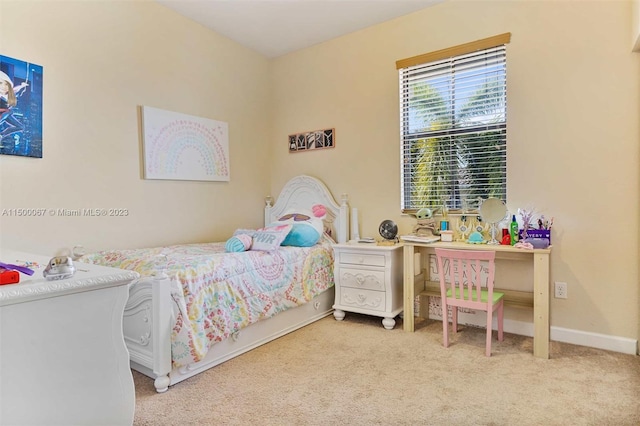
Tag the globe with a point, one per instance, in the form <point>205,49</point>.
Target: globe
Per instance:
<point>388,229</point>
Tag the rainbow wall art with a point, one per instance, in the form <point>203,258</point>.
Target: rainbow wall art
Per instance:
<point>183,147</point>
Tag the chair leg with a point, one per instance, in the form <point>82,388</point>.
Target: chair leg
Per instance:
<point>445,327</point>
<point>489,331</point>
<point>454,318</point>
<point>501,321</point>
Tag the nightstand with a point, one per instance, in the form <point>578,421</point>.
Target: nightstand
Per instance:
<point>368,281</point>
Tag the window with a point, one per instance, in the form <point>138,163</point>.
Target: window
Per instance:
<point>453,106</point>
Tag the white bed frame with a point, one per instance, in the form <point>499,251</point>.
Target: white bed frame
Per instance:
<point>148,315</point>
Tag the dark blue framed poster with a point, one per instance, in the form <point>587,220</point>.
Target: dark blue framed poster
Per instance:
<point>20,108</point>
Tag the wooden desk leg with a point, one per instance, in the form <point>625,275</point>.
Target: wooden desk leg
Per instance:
<point>408,320</point>
<point>541,288</point>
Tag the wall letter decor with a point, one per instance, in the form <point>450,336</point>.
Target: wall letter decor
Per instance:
<point>310,141</point>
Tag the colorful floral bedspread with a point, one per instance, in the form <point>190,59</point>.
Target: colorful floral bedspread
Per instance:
<point>217,293</point>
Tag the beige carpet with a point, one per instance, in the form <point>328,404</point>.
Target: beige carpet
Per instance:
<point>355,372</point>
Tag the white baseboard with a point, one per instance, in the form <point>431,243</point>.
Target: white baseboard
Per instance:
<point>595,340</point>
<point>558,334</point>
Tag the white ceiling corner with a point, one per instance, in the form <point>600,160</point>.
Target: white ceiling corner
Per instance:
<point>277,27</point>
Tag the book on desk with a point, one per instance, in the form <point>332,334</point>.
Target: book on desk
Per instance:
<point>426,239</point>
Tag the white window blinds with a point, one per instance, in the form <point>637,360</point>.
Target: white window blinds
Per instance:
<point>454,126</point>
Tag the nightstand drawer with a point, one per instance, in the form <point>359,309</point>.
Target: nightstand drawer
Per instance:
<point>362,259</point>
<point>362,278</point>
<point>364,299</point>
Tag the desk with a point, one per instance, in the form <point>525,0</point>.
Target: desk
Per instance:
<point>541,285</point>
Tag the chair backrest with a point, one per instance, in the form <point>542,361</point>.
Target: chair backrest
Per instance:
<point>466,272</point>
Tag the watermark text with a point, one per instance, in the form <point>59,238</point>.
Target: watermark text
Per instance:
<point>64,212</point>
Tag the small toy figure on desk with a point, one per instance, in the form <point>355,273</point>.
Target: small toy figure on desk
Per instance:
<point>426,226</point>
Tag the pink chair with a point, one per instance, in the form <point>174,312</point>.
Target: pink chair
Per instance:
<point>461,286</point>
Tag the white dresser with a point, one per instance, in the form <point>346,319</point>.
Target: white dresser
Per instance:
<point>63,360</point>
<point>368,281</point>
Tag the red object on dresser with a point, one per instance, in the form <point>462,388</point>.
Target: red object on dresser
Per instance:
<point>8,276</point>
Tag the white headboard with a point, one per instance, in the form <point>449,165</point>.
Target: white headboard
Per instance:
<point>303,192</point>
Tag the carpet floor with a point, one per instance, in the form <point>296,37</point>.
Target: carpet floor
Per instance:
<point>357,373</point>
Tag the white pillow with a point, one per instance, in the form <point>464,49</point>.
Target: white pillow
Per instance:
<point>270,237</point>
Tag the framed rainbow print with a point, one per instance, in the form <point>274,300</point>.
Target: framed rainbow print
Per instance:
<point>184,147</point>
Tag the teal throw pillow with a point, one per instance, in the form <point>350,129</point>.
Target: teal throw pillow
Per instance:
<point>238,243</point>
<point>301,235</point>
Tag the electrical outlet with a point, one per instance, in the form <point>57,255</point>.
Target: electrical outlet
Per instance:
<point>560,290</point>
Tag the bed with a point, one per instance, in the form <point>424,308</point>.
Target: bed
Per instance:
<point>170,337</point>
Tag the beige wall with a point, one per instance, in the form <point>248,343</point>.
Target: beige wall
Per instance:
<point>635,16</point>
<point>574,108</point>
<point>101,61</point>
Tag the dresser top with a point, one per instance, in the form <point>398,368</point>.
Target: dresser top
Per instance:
<point>87,277</point>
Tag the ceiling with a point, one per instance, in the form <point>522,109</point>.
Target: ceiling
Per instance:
<point>277,27</point>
